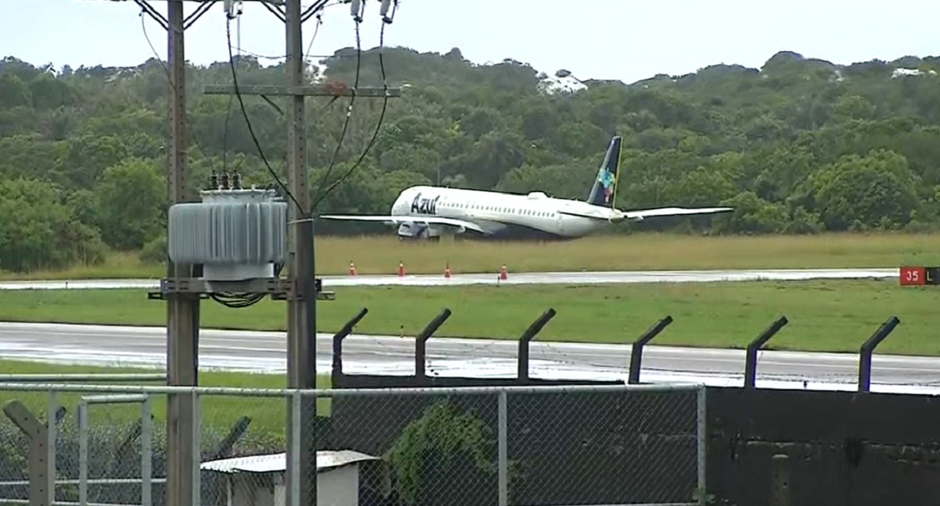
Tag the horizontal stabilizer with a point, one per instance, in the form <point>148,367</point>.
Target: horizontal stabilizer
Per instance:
<point>674,211</point>
<point>397,220</point>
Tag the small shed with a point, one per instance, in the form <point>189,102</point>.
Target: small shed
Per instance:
<point>260,480</point>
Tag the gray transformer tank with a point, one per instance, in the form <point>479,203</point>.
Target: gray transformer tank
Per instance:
<point>235,234</point>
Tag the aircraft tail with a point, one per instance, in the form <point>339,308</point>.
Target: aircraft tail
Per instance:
<point>605,185</point>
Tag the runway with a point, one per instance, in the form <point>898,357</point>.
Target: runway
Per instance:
<point>527,278</point>
<point>392,355</point>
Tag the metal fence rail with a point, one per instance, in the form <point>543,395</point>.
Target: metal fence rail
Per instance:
<point>573,445</point>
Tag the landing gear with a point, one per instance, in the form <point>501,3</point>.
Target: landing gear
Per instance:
<point>410,232</point>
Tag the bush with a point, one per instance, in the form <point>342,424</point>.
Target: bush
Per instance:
<point>155,251</point>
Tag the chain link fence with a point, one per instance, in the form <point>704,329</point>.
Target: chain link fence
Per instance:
<point>542,445</point>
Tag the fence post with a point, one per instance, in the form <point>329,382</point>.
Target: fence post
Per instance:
<point>52,409</point>
<point>197,450</point>
<point>224,450</point>
<point>868,347</point>
<point>293,466</point>
<point>146,451</point>
<point>527,337</point>
<point>83,452</point>
<point>780,488</point>
<point>702,440</point>
<point>636,353</point>
<point>338,341</point>
<point>40,483</point>
<point>421,341</point>
<point>502,437</point>
<point>750,361</point>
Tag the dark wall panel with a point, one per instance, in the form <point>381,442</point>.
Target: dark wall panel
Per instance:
<point>844,448</point>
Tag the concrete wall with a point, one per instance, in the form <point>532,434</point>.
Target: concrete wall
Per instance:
<point>845,448</point>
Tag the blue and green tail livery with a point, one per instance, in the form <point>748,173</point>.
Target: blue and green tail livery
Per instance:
<point>605,185</point>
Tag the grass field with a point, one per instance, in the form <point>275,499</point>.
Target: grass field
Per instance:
<point>268,415</point>
<point>380,255</point>
<point>824,315</point>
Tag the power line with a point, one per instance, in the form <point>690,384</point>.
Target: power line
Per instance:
<point>251,131</point>
<point>189,127</point>
<point>357,19</point>
<point>386,20</point>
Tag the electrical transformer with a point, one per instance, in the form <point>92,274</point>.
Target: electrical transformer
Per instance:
<point>235,234</point>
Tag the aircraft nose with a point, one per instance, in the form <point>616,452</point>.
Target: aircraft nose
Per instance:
<point>400,206</point>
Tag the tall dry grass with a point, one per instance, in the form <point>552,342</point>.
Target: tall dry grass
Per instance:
<point>381,254</point>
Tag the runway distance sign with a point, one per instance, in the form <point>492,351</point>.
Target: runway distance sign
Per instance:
<point>919,276</point>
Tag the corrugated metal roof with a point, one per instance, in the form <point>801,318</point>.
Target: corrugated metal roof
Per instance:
<point>278,462</point>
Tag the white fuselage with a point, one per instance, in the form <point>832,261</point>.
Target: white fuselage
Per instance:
<point>499,213</point>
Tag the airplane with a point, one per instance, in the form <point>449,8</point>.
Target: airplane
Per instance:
<point>425,212</point>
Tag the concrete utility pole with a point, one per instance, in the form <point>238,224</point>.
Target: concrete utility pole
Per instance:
<point>182,308</point>
<point>181,289</point>
<point>301,313</point>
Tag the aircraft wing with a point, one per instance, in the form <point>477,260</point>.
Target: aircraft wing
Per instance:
<point>397,220</point>
<point>673,211</point>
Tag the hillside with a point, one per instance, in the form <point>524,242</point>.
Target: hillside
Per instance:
<point>798,146</point>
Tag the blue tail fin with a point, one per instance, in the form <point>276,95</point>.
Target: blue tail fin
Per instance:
<point>605,186</point>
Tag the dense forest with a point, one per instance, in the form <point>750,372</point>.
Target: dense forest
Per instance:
<point>798,146</point>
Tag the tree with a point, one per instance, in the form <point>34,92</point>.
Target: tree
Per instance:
<point>131,203</point>
<point>876,191</point>
<point>799,145</point>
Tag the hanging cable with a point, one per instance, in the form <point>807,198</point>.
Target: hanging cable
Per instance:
<point>228,115</point>
<point>357,9</point>
<point>166,70</point>
<point>241,300</point>
<point>386,20</point>
<point>231,60</point>
<point>315,32</point>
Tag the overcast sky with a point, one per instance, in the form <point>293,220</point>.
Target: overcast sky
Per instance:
<point>602,39</point>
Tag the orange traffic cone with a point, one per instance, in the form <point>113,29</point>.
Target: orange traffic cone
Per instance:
<point>447,270</point>
<point>352,269</point>
<point>401,269</point>
<point>502,273</point>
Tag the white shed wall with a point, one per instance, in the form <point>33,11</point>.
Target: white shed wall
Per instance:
<point>336,487</point>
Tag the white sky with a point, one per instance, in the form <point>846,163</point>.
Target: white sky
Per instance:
<point>602,39</point>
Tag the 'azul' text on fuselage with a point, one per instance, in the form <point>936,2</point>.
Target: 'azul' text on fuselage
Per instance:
<point>424,205</point>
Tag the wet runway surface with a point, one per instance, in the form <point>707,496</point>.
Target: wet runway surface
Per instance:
<point>266,352</point>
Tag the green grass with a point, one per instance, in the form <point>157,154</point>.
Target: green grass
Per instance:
<point>380,255</point>
<point>824,315</point>
<point>268,415</point>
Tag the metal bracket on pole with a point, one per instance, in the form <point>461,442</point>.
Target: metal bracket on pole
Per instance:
<point>865,352</point>
<point>636,353</point>
<point>338,341</point>
<point>524,340</point>
<point>277,288</point>
<point>421,341</point>
<point>41,484</point>
<point>750,361</point>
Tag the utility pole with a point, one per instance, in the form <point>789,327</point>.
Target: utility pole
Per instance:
<point>181,294</point>
<point>182,308</point>
<point>184,286</point>
<point>301,308</point>
<point>301,311</point>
